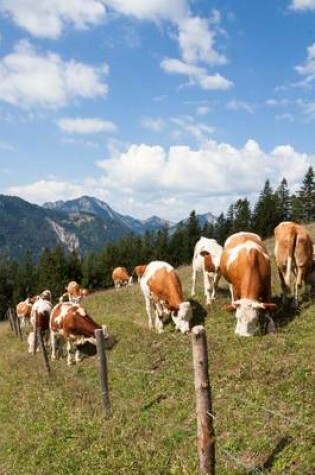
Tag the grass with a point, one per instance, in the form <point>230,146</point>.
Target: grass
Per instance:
<point>263,393</point>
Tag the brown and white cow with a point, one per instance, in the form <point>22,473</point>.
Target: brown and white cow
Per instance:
<point>139,271</point>
<point>74,292</point>
<point>294,255</point>
<point>39,319</point>
<point>162,290</point>
<point>24,309</point>
<point>121,277</point>
<point>71,323</point>
<point>245,264</point>
<point>206,259</point>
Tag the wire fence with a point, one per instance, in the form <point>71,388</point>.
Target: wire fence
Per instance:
<point>226,454</point>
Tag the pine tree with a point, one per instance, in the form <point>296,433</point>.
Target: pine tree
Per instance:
<point>264,217</point>
<point>193,234</point>
<point>242,216</point>
<point>283,202</point>
<point>307,196</point>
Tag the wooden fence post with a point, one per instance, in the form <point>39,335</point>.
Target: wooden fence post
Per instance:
<point>9,317</point>
<point>35,334</point>
<point>16,323</point>
<point>101,355</point>
<point>42,346</point>
<point>205,429</point>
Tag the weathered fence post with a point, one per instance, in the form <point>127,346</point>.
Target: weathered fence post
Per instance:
<point>42,346</point>
<point>16,323</point>
<point>205,429</point>
<point>9,317</point>
<point>101,355</point>
<point>35,334</point>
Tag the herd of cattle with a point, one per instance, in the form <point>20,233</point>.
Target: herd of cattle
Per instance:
<point>243,261</point>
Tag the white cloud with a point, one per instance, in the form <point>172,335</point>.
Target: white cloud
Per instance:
<point>308,69</point>
<point>287,116</point>
<point>151,10</point>
<point>240,105</point>
<point>6,146</point>
<point>208,178</point>
<point>47,18</point>
<point>197,75</point>
<point>187,125</point>
<point>153,124</point>
<point>85,126</point>
<point>46,190</point>
<point>202,110</point>
<point>29,78</point>
<point>196,41</point>
<point>303,5</point>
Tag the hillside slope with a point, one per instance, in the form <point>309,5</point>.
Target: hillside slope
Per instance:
<point>263,391</point>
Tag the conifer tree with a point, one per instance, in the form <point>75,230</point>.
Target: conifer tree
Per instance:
<point>307,196</point>
<point>283,202</point>
<point>264,217</point>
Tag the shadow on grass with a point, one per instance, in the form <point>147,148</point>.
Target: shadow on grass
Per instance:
<point>199,313</point>
<point>267,465</point>
<point>288,312</point>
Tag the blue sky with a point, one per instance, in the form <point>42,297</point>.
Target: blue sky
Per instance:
<point>156,107</point>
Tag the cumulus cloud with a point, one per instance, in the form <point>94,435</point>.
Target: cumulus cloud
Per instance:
<point>240,105</point>
<point>47,19</point>
<point>153,124</point>
<point>29,78</point>
<point>151,10</point>
<point>80,125</point>
<point>207,178</point>
<point>303,5</point>
<point>196,75</point>
<point>308,68</point>
<point>196,41</point>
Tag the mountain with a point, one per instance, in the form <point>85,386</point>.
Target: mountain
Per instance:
<point>80,225</point>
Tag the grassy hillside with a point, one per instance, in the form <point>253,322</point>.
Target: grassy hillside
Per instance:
<point>263,390</point>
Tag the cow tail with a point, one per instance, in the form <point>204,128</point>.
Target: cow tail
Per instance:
<point>292,245</point>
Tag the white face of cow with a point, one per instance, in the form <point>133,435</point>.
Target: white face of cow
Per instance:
<point>247,314</point>
<point>183,317</point>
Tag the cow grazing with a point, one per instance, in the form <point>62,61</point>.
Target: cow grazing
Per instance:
<point>294,253</point>
<point>121,277</point>
<point>139,271</point>
<point>245,264</point>
<point>74,292</point>
<point>162,290</point>
<point>71,323</point>
<point>206,259</point>
<point>40,318</point>
<point>24,309</point>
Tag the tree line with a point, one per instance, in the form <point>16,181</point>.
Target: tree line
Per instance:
<point>55,268</point>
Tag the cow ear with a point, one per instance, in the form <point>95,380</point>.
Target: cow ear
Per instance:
<point>230,308</point>
<point>204,253</point>
<point>269,307</point>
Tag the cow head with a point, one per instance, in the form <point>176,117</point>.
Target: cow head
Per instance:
<point>182,317</point>
<point>247,314</point>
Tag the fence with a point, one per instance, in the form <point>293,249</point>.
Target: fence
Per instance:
<point>206,417</point>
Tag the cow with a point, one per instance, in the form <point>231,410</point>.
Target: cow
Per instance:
<point>206,259</point>
<point>162,290</point>
<point>294,254</point>
<point>245,264</point>
<point>75,294</point>
<point>139,271</point>
<point>121,277</point>
<point>24,309</point>
<point>39,319</point>
<point>71,323</point>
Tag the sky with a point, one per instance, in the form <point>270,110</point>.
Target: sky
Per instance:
<point>156,107</point>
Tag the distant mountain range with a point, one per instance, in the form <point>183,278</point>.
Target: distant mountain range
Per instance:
<point>81,224</point>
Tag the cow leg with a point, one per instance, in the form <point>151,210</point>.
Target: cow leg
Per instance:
<point>69,348</point>
<point>77,356</point>
<point>193,287</point>
<point>31,342</point>
<point>53,338</point>
<point>216,280</point>
<point>149,308</point>
<point>284,286</point>
<point>159,318</point>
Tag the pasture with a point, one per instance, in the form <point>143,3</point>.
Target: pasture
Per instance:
<point>263,397</point>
